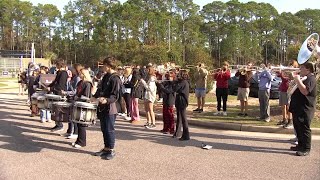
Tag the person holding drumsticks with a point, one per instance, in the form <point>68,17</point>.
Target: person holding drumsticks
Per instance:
<point>107,95</point>
<point>84,88</point>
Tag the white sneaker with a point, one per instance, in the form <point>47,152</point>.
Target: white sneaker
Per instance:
<point>77,146</point>
<point>296,143</point>
<point>72,144</point>
<point>72,136</point>
<point>42,121</point>
<point>224,113</point>
<point>49,120</point>
<point>217,113</point>
<point>127,118</point>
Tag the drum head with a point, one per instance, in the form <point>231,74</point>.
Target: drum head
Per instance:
<point>53,97</point>
<point>41,98</point>
<point>85,105</point>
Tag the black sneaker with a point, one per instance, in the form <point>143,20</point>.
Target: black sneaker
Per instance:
<point>281,123</point>
<point>295,148</point>
<point>100,153</point>
<point>200,110</point>
<point>57,129</point>
<point>245,115</point>
<point>240,114</point>
<point>302,153</point>
<point>196,110</point>
<point>184,139</point>
<point>108,155</point>
<point>147,124</point>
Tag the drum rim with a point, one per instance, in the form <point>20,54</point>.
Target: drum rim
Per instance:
<point>83,105</point>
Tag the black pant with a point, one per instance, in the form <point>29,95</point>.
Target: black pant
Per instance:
<point>222,93</point>
<point>182,119</point>
<point>127,99</point>
<point>82,135</point>
<point>301,124</point>
<point>72,127</point>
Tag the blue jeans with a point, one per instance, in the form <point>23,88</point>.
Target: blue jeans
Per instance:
<point>108,131</point>
<point>45,115</point>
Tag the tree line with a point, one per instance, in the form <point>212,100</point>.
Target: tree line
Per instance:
<point>142,31</point>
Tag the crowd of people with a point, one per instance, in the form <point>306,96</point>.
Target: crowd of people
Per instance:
<point>117,91</point>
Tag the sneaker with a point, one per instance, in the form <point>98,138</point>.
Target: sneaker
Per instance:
<point>294,139</point>
<point>77,146</point>
<point>42,121</point>
<point>151,126</point>
<point>127,118</point>
<point>196,110</point>
<point>184,139</point>
<point>65,134</point>
<point>224,113</point>
<point>240,114</point>
<point>72,136</point>
<point>200,110</point>
<point>288,126</point>
<point>49,120</point>
<point>72,144</point>
<point>147,124</point>
<point>302,153</point>
<point>282,123</point>
<point>295,148</point>
<point>57,129</point>
<point>296,143</point>
<point>108,155</point>
<point>267,120</point>
<point>245,115</point>
<point>217,113</point>
<point>99,153</point>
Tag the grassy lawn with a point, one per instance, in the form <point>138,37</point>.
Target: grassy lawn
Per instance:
<point>3,85</point>
<point>4,79</point>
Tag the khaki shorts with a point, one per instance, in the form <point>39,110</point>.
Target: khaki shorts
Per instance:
<point>243,94</point>
<point>283,99</point>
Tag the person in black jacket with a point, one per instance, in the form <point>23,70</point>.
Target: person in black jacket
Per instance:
<point>181,88</point>
<point>136,94</point>
<point>58,85</point>
<point>84,88</point>
<point>108,95</point>
<point>168,96</point>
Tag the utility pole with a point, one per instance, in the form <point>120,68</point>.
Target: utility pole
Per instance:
<point>169,35</point>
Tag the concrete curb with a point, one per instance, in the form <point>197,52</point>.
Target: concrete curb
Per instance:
<point>236,126</point>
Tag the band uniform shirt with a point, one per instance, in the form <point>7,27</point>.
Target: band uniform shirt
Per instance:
<point>305,105</point>
<point>265,80</point>
<point>60,82</point>
<point>244,79</point>
<point>110,89</point>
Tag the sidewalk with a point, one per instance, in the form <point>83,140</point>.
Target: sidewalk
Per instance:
<point>235,126</point>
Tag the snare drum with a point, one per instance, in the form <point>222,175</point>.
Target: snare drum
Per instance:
<point>84,113</point>
<point>41,100</point>
<point>50,98</point>
<point>34,99</point>
<point>61,111</point>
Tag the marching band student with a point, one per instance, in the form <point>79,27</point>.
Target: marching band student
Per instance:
<point>265,79</point>
<point>181,88</point>
<point>84,88</point>
<point>108,94</point>
<point>32,77</point>
<point>302,107</point>
<point>45,115</point>
<point>58,85</point>
<point>168,95</point>
<point>243,90</point>
<point>136,94</point>
<point>201,87</point>
<point>127,90</point>
<point>222,76</point>
<point>284,100</point>
<point>72,131</point>
<point>150,97</point>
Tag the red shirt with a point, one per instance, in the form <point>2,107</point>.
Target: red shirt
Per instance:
<point>284,84</point>
<point>222,78</point>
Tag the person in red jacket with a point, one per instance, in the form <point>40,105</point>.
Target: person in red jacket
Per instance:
<point>222,76</point>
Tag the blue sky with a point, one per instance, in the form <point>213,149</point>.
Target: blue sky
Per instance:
<point>281,5</point>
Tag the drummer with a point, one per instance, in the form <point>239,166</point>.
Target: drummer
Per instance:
<point>58,85</point>
<point>45,115</point>
<point>84,88</point>
<point>32,77</point>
